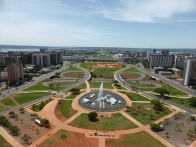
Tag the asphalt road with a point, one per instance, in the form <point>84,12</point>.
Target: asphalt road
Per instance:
<point>81,81</point>
<point>170,82</point>
<point>118,78</point>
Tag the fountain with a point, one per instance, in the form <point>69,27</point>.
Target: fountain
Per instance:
<point>102,100</point>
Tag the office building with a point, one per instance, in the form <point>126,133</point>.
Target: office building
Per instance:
<point>11,60</point>
<point>41,59</point>
<point>158,60</point>
<point>15,74</point>
<point>189,72</point>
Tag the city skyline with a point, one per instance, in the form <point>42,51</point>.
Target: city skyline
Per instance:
<point>120,23</point>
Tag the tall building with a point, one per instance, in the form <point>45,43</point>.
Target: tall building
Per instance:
<point>15,73</point>
<point>11,60</point>
<point>189,72</point>
<point>180,62</point>
<point>59,56</point>
<point>26,58</point>
<point>53,58</point>
<point>158,60</point>
<point>41,59</point>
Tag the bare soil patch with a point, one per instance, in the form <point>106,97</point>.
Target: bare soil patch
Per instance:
<point>27,126</point>
<point>130,75</point>
<point>74,74</point>
<point>106,65</point>
<point>58,113</point>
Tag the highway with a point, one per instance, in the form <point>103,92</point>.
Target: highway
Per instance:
<point>123,82</point>
<point>81,81</point>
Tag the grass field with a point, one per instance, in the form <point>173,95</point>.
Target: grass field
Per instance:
<point>72,68</point>
<point>132,69</point>
<point>116,122</point>
<point>145,114</point>
<point>74,74</point>
<point>66,109</point>
<point>135,96</point>
<point>40,86</point>
<point>8,101</point>
<point>172,90</point>
<point>107,85</point>
<point>106,73</point>
<point>27,97</point>
<point>130,75</point>
<point>183,102</point>
<point>140,139</point>
<point>82,86</point>
<point>3,108</point>
<point>141,84</point>
<point>71,96</point>
<point>4,143</point>
<point>63,138</point>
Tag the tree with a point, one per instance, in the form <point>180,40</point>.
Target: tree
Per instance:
<point>155,127</point>
<point>158,106</point>
<point>92,116</point>
<point>21,110</point>
<point>4,121</point>
<point>14,130</point>
<point>28,77</point>
<point>12,114</point>
<point>75,91</point>
<point>26,139</point>
<point>45,123</point>
<point>162,92</point>
<point>193,101</point>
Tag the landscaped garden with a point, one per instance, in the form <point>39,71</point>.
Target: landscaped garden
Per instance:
<point>140,139</point>
<point>115,122</point>
<point>145,112</point>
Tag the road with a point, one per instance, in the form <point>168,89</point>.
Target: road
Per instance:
<point>81,81</point>
<point>119,79</point>
<point>170,82</point>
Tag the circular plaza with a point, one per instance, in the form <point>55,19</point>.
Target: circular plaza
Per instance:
<point>109,101</point>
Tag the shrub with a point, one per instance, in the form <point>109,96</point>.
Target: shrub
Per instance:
<point>4,121</point>
<point>75,91</point>
<point>92,116</point>
<point>155,127</point>
<point>14,130</point>
<point>158,106</point>
<point>192,101</point>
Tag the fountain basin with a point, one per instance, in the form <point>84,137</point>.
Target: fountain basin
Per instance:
<point>112,101</point>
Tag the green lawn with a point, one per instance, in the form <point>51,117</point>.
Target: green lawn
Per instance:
<point>4,143</point>
<point>66,109</point>
<point>115,122</point>
<point>72,68</point>
<point>139,84</point>
<point>141,113</point>
<point>132,69</point>
<point>101,72</point>
<point>82,86</point>
<point>71,97</point>
<point>135,96</point>
<point>8,101</point>
<point>27,97</point>
<point>183,102</point>
<point>107,85</point>
<point>2,108</point>
<point>172,90</point>
<point>140,139</point>
<point>40,86</point>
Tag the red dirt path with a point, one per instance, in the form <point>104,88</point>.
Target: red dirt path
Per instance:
<point>106,65</point>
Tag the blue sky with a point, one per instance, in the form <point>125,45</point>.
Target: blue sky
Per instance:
<point>117,23</point>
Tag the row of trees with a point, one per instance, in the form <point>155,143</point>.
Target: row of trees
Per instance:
<point>14,130</point>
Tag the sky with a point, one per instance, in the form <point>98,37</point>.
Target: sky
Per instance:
<point>101,23</point>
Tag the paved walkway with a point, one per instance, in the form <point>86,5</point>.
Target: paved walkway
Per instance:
<point>9,138</point>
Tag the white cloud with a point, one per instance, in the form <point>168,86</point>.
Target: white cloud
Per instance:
<point>147,10</point>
